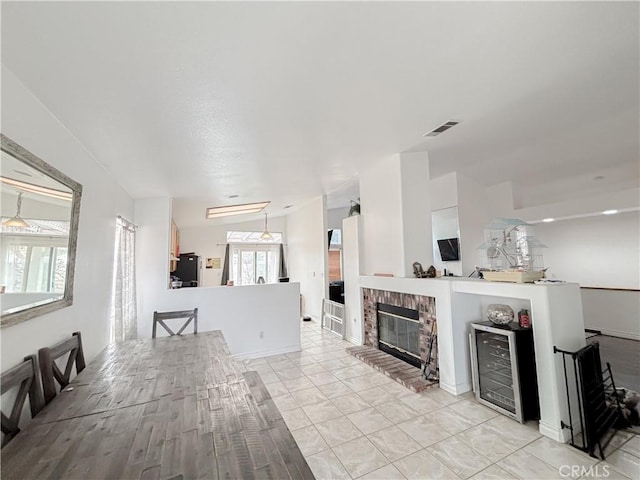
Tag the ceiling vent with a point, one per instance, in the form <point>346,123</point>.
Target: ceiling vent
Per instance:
<point>441,129</point>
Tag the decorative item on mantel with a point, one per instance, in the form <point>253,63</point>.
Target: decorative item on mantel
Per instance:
<point>511,252</point>
<point>355,207</point>
<point>500,314</point>
<point>419,272</point>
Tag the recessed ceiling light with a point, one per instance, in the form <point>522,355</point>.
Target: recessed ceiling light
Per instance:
<point>548,220</point>
<point>610,212</point>
<point>215,212</point>
<point>598,178</point>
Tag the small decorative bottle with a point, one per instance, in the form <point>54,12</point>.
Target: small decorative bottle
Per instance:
<point>523,318</point>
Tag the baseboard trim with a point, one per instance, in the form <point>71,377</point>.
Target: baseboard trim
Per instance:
<point>266,353</point>
<point>559,435</point>
<point>354,341</point>
<point>616,333</point>
<point>458,389</point>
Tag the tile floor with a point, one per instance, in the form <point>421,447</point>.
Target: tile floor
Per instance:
<point>352,422</point>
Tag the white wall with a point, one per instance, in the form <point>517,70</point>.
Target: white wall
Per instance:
<point>335,217</point>
<point>211,242</point>
<point>416,211</point>
<point>473,215</point>
<point>153,217</point>
<point>603,252</point>
<point>612,312</point>
<point>599,251</point>
<point>352,248</point>
<point>307,254</point>
<point>381,197</point>
<point>443,191</point>
<point>28,122</point>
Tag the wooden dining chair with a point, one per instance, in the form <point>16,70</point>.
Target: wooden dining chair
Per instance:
<point>189,315</point>
<point>26,377</point>
<point>49,369</point>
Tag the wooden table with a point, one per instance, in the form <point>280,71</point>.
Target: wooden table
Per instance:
<point>176,408</point>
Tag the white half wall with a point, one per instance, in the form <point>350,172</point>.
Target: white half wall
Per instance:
<point>307,254</point>
<point>256,320</point>
<point>28,122</point>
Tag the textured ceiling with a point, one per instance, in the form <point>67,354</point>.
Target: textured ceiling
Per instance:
<point>286,101</point>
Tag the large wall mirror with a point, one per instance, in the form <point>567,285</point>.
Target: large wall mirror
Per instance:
<point>40,210</point>
<point>446,240</point>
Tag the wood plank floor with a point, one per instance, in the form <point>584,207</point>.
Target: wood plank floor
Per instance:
<point>177,407</point>
<point>624,356</point>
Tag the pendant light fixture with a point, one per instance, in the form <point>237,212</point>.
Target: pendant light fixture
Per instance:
<point>16,221</point>
<point>266,235</point>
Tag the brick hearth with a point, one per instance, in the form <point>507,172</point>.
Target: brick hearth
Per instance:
<point>403,373</point>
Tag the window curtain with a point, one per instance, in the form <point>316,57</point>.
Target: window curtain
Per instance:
<point>124,323</point>
<point>225,268</point>
<point>282,271</point>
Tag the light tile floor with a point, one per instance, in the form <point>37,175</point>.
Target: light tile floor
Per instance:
<point>352,422</point>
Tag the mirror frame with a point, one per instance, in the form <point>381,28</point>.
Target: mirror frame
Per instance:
<point>25,156</point>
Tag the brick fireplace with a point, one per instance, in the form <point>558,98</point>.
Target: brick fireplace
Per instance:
<point>425,307</point>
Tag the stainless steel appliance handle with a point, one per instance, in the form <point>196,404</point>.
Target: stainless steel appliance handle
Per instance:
<point>474,364</point>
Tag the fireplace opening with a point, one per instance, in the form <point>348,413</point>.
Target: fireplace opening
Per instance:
<point>399,332</point>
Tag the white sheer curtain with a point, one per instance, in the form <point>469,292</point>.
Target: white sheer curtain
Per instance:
<point>124,324</point>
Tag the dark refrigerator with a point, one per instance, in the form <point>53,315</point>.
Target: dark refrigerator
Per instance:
<point>188,270</point>
<point>504,369</point>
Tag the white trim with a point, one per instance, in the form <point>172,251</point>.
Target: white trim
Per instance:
<point>458,389</point>
<point>559,435</point>
<point>616,333</point>
<point>266,353</point>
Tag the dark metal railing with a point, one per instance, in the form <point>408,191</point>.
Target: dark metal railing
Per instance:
<point>597,399</point>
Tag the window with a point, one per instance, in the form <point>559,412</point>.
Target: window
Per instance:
<point>253,260</point>
<point>34,260</point>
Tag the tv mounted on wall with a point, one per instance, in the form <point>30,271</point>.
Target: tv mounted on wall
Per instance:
<point>449,249</point>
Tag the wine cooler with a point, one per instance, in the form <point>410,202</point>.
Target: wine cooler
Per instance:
<point>504,369</point>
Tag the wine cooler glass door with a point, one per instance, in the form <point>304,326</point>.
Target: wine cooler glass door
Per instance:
<point>496,367</point>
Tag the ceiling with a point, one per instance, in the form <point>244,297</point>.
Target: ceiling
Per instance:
<point>286,101</point>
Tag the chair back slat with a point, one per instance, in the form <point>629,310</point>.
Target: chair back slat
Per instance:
<point>189,315</point>
<point>49,369</point>
<point>26,377</point>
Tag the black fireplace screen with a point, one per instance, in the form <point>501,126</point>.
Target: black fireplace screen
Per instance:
<point>399,332</point>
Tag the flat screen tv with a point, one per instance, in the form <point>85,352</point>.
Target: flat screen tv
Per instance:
<point>449,249</point>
